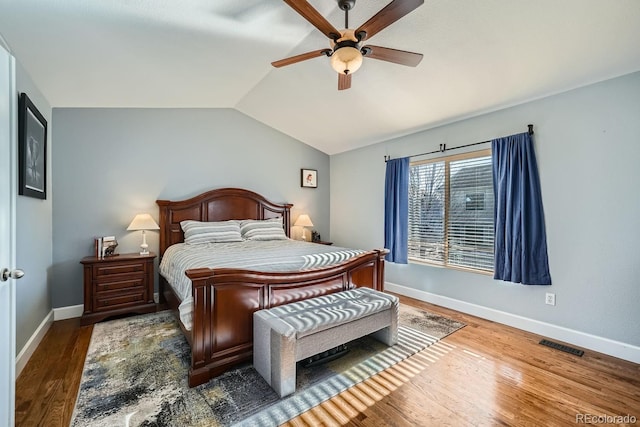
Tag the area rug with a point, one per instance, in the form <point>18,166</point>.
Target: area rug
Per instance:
<point>135,374</point>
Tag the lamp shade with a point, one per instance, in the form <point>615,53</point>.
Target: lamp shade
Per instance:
<point>346,60</point>
<point>303,221</point>
<point>143,222</point>
<point>346,57</point>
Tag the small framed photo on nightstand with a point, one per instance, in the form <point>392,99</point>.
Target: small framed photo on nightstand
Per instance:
<point>309,178</point>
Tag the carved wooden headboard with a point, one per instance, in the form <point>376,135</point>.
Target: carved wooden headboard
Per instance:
<point>216,205</point>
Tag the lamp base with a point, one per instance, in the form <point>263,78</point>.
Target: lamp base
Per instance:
<point>144,246</point>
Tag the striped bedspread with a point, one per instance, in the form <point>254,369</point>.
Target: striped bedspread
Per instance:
<point>266,256</point>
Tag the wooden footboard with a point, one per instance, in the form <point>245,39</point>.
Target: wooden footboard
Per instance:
<point>225,300</point>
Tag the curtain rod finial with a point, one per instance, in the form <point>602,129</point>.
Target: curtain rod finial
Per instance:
<point>530,129</point>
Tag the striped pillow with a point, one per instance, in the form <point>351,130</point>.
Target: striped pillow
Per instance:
<point>211,232</point>
<point>266,229</point>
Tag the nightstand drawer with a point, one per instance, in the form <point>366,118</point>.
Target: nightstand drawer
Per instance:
<point>101,270</point>
<point>120,284</point>
<point>110,301</point>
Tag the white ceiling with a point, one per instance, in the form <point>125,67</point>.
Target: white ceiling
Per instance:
<point>479,56</point>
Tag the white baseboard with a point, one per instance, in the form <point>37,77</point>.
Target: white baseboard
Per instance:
<point>69,312</point>
<point>72,311</point>
<point>27,351</point>
<point>603,345</point>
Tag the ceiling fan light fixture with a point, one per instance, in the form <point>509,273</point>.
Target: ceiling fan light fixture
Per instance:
<point>346,59</point>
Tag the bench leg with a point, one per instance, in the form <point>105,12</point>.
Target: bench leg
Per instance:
<point>262,347</point>
<point>274,352</point>
<point>283,364</point>
<point>389,335</point>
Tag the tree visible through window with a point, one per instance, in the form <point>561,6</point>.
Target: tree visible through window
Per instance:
<point>451,211</point>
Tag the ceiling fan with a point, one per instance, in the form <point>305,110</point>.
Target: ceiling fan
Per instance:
<point>346,50</point>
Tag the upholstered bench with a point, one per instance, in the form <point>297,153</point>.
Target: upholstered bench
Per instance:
<point>289,333</point>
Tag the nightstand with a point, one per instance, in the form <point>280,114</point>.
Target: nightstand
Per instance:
<point>116,285</point>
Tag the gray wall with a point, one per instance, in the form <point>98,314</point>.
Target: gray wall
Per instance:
<point>33,235</point>
<point>110,164</point>
<point>588,149</point>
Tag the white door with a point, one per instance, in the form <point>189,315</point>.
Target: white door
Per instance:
<point>8,140</point>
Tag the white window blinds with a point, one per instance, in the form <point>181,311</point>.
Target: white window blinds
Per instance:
<point>426,211</point>
<point>451,211</point>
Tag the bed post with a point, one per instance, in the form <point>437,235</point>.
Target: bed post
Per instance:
<point>380,268</point>
<point>201,344</point>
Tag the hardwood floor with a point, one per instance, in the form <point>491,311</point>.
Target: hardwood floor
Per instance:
<point>46,389</point>
<point>483,374</point>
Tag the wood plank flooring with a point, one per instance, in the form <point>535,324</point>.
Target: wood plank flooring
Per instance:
<point>46,389</point>
<point>485,374</point>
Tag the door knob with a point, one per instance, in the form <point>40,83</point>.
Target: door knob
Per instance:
<point>10,274</point>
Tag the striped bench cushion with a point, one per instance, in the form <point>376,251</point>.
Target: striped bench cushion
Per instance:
<point>317,314</point>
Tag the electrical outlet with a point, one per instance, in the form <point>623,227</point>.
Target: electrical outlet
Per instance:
<point>550,298</point>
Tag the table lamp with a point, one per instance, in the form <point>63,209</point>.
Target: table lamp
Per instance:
<point>304,221</point>
<point>143,222</point>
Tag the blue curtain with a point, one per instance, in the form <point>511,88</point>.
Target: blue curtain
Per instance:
<point>396,209</point>
<point>520,237</point>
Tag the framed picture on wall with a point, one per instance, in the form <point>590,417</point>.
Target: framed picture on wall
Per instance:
<point>309,178</point>
<point>32,150</point>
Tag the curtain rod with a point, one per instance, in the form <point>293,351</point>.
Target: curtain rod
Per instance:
<point>443,147</point>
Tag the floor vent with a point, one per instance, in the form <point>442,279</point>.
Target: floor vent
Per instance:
<point>562,347</point>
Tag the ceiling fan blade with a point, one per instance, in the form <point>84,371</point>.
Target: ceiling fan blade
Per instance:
<point>387,16</point>
<point>396,56</point>
<point>344,81</point>
<point>313,16</point>
<point>301,57</point>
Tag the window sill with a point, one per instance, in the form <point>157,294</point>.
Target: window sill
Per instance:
<point>450,267</point>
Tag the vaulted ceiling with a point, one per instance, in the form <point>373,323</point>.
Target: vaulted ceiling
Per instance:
<point>479,56</point>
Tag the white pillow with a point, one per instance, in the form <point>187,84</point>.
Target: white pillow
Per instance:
<point>265,229</point>
<point>211,232</point>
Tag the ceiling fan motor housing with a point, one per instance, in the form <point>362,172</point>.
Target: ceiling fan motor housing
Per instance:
<point>346,4</point>
<point>345,35</point>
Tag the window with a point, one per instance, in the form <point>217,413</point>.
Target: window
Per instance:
<point>451,211</point>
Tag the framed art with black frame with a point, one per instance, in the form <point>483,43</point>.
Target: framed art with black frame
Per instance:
<point>309,178</point>
<point>32,150</point>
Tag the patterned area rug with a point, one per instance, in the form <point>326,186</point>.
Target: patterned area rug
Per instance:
<point>427,322</point>
<point>136,369</point>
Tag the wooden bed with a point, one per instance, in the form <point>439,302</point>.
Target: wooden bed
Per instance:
<point>225,299</point>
